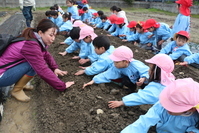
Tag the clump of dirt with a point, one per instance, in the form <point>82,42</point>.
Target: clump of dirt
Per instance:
<point>75,110</point>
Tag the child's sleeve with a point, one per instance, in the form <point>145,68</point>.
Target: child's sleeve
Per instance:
<point>141,68</point>
<point>133,37</point>
<point>116,33</point>
<point>148,95</point>
<point>73,47</point>
<point>68,41</point>
<point>167,49</point>
<point>105,77</point>
<point>98,67</point>
<point>144,122</point>
<point>99,25</point>
<point>194,58</point>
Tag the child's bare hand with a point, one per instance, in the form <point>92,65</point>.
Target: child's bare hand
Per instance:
<point>75,57</point>
<point>109,35</point>
<point>62,43</point>
<point>150,36</point>
<point>140,82</point>
<point>149,44</point>
<point>160,42</point>
<point>63,53</point>
<point>80,72</point>
<point>68,84</point>
<point>82,67</point>
<point>115,104</point>
<point>87,84</point>
<point>183,63</point>
<point>124,40</point>
<point>83,61</point>
<point>122,35</point>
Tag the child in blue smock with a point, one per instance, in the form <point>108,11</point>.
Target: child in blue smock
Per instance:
<point>133,72</point>
<point>113,26</point>
<point>66,27</point>
<point>72,9</point>
<point>103,49</point>
<point>94,19</point>
<point>161,31</point>
<point>178,49</point>
<point>105,23</point>
<point>131,31</point>
<point>87,16</point>
<point>85,4</point>
<point>57,18</point>
<point>176,111</point>
<point>121,28</point>
<point>161,66</point>
<point>48,15</point>
<point>182,21</point>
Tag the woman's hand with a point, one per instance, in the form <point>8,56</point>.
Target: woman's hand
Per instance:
<point>60,72</point>
<point>89,83</point>
<point>68,84</point>
<point>115,104</point>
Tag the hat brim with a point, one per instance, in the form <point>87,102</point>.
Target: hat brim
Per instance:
<point>169,105</point>
<point>114,58</point>
<point>150,61</point>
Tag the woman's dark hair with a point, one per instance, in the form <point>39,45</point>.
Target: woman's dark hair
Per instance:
<point>67,15</point>
<point>100,13</point>
<point>74,33</point>
<point>101,41</point>
<point>155,74</point>
<point>182,37</point>
<point>42,26</point>
<point>115,8</point>
<point>103,17</point>
<point>71,1</point>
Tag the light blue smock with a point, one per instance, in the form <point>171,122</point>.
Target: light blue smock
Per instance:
<point>120,31</point>
<point>58,21</point>
<point>74,11</point>
<point>68,41</point>
<point>194,58</point>
<point>104,25</point>
<point>135,70</point>
<point>182,22</point>
<point>102,64</point>
<point>166,123</point>
<point>66,26</point>
<point>142,37</point>
<point>51,18</point>
<point>112,28</point>
<point>176,51</point>
<point>148,95</point>
<point>87,16</point>
<point>95,21</point>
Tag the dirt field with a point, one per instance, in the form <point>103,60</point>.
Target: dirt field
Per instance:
<point>75,110</point>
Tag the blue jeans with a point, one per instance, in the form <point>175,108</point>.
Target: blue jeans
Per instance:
<point>14,74</point>
<point>27,12</point>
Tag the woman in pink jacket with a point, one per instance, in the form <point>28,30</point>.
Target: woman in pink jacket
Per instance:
<point>34,59</point>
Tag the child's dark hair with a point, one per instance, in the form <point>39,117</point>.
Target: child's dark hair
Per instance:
<point>52,8</point>
<point>155,74</point>
<point>56,6</point>
<point>47,13</point>
<point>71,1</point>
<point>74,33</point>
<point>100,13</point>
<point>103,17</point>
<point>54,13</point>
<point>67,15</point>
<point>85,8</point>
<point>115,8</point>
<point>101,41</point>
<point>181,37</point>
<point>138,26</point>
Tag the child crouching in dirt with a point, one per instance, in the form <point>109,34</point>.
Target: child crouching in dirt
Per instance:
<point>179,48</point>
<point>175,112</point>
<point>133,72</point>
<point>161,66</point>
<point>131,31</point>
<point>103,49</point>
<point>161,31</point>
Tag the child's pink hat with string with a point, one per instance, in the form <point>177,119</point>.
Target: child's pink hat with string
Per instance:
<point>122,53</point>
<point>180,96</point>
<point>87,31</point>
<point>165,63</point>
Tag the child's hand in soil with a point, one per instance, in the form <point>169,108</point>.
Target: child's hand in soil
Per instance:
<point>115,104</point>
<point>63,53</point>
<point>183,63</point>
<point>83,67</point>
<point>83,61</point>
<point>80,72</point>
<point>109,35</point>
<point>89,83</point>
<point>60,72</point>
<point>68,84</point>
<point>124,40</point>
<point>140,82</point>
<point>62,43</point>
<point>75,57</point>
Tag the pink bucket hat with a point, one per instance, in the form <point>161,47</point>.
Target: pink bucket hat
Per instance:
<point>165,63</point>
<point>122,53</point>
<point>86,31</point>
<point>78,23</point>
<point>180,96</point>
